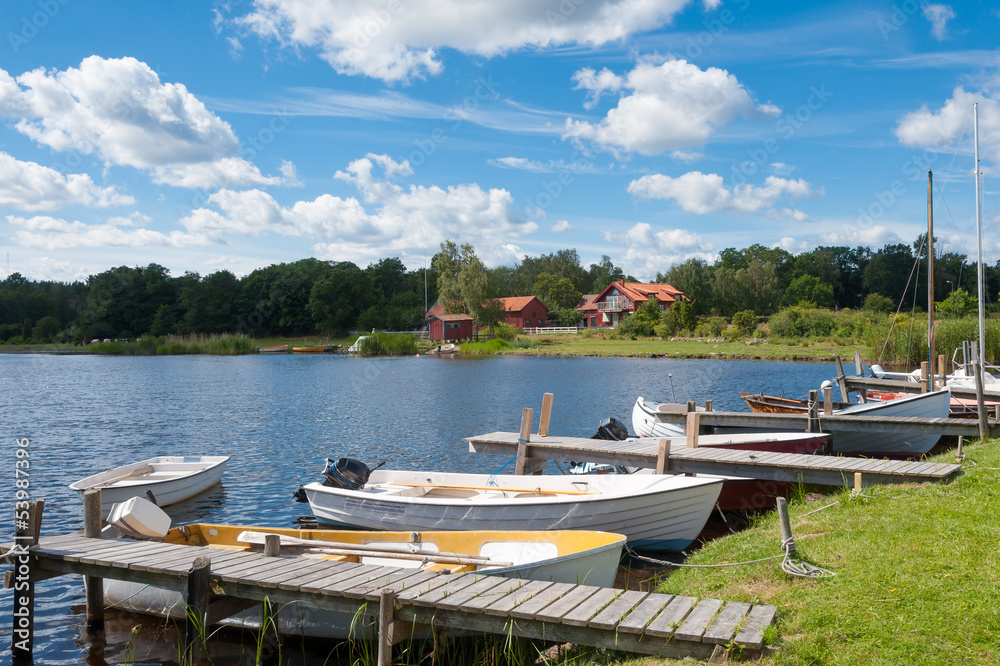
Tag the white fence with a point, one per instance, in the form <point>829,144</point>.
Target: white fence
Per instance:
<point>551,330</point>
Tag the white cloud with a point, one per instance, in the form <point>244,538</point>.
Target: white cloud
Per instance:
<point>52,233</point>
<point>789,244</point>
<point>672,105</point>
<point>31,186</point>
<point>521,164</point>
<point>702,193</point>
<point>118,110</point>
<point>562,226</point>
<point>782,169</point>
<point>875,236</point>
<point>389,220</point>
<point>928,129</point>
<point>397,41</point>
<point>647,252</point>
<point>938,15</point>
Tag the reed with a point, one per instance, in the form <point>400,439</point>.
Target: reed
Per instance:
<point>388,344</point>
<point>151,345</point>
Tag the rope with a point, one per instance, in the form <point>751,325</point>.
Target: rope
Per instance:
<point>491,481</point>
<point>695,566</point>
<point>121,601</point>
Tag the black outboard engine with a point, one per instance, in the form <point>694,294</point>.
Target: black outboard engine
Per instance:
<point>347,473</point>
<point>611,429</point>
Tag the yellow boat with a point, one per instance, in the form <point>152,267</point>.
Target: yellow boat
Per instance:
<point>562,556</point>
<point>317,349</point>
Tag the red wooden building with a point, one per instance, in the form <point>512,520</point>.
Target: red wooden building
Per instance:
<point>623,298</point>
<point>525,312</point>
<point>446,327</point>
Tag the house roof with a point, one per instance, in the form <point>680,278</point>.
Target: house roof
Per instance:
<point>515,303</point>
<point>451,317</point>
<point>643,291</point>
<point>588,302</point>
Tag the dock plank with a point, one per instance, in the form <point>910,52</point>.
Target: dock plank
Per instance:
<point>529,590</point>
<point>640,617</point>
<point>452,587</point>
<point>583,613</point>
<point>566,603</point>
<point>697,622</point>
<point>530,608</point>
<point>670,618</point>
<point>425,588</point>
<point>494,595</point>
<point>723,629</point>
<point>466,595</point>
<point>751,634</point>
<point>612,615</point>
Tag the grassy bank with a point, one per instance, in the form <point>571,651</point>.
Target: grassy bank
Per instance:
<point>918,572</point>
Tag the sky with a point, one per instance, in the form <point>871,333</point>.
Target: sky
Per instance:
<point>206,136</point>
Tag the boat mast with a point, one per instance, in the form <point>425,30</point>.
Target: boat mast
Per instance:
<point>979,235</point>
<point>930,275</point>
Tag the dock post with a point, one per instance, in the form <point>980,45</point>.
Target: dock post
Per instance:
<point>27,523</point>
<point>272,545</point>
<point>92,524</point>
<point>858,485</point>
<point>787,542</point>
<point>386,601</point>
<point>980,405</point>
<point>858,368</point>
<point>813,423</point>
<point>708,405</point>
<point>692,405</point>
<point>941,373</point>
<point>195,631</point>
<point>691,428</point>
<point>663,456</point>
<point>845,396</point>
<point>546,416</point>
<point>827,400</point>
<point>924,375</point>
<point>522,441</point>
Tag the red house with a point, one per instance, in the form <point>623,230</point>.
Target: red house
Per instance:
<point>587,307</point>
<point>449,327</point>
<point>623,298</point>
<point>525,312</point>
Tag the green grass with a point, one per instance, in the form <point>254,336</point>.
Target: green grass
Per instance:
<point>388,344</point>
<point>918,572</point>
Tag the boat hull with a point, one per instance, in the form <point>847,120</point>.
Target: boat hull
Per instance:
<point>895,443</point>
<point>661,513</point>
<point>174,479</point>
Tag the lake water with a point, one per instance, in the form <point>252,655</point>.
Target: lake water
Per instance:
<point>280,416</point>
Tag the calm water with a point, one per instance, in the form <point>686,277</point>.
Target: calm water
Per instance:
<point>279,417</point>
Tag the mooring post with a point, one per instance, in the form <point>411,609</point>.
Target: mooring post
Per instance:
<point>812,425</point>
<point>27,523</point>
<point>858,483</point>
<point>941,373</point>
<point>977,370</point>
<point>195,631</point>
<point>827,400</point>
<point>924,376</point>
<point>92,525</point>
<point>787,542</point>
<point>692,428</point>
<point>386,603</point>
<point>272,545</point>
<point>523,439</point>
<point>842,380</point>
<point>546,416</point>
<point>692,405</point>
<point>663,456</point>
<point>859,369</point>
<point>708,405</point>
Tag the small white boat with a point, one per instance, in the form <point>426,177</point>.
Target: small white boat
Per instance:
<point>871,441</point>
<point>562,556</point>
<point>661,512</point>
<point>170,479</point>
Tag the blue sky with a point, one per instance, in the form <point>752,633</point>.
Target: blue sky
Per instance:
<point>234,135</point>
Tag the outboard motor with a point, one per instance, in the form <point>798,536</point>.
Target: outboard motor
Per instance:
<point>347,473</point>
<point>611,429</point>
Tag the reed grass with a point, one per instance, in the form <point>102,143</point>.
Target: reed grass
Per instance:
<point>151,345</point>
<point>388,344</point>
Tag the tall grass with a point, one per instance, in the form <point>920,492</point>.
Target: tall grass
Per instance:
<point>905,343</point>
<point>151,345</point>
<point>496,346</point>
<point>388,344</point>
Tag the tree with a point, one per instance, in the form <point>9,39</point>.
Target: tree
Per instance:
<point>694,278</point>
<point>602,274</point>
<point>555,292</point>
<point>480,294</point>
<point>878,303</point>
<point>209,304</point>
<point>46,328</point>
<point>958,304</point>
<point>337,298</point>
<point>889,271</point>
<point>809,290</point>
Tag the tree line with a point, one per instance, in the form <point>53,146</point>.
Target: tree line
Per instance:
<point>311,296</point>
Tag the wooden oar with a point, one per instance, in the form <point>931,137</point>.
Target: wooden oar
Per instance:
<point>366,549</point>
<point>496,488</point>
<point>138,472</point>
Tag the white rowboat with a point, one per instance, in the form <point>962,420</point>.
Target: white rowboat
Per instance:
<point>660,512</point>
<point>171,479</point>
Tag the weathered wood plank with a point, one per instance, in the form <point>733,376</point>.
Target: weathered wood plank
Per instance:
<point>317,581</point>
<point>396,579</point>
<point>564,604</point>
<point>666,623</point>
<point>530,589</point>
<point>751,634</point>
<point>483,586</point>
<point>530,608</point>
<point>582,614</point>
<point>640,617</point>
<point>455,585</point>
<point>422,589</point>
<point>612,615</point>
<point>698,620</point>
<point>723,629</point>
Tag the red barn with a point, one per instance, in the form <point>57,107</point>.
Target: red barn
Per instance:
<point>623,298</point>
<point>449,327</point>
<point>525,312</point>
<point>587,307</point>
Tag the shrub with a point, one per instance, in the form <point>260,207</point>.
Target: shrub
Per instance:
<point>878,303</point>
<point>634,326</point>
<point>745,322</point>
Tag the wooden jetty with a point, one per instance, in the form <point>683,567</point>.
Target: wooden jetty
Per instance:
<point>676,455</point>
<point>219,583</point>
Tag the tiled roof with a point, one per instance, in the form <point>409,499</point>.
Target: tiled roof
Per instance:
<point>642,291</point>
<point>452,317</point>
<point>587,302</point>
<point>515,303</point>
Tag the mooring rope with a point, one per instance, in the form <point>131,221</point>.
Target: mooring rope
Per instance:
<point>491,481</point>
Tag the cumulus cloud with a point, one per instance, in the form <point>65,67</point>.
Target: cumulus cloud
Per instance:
<point>397,41</point>
<point>668,106</point>
<point>31,186</point>
<point>645,252</point>
<point>386,219</point>
<point>938,15</point>
<point>52,233</point>
<point>118,110</point>
<point>521,164</point>
<point>562,226</point>
<point>936,129</point>
<point>702,193</point>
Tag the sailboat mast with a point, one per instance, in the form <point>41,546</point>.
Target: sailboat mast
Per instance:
<point>930,275</point>
<point>979,234</point>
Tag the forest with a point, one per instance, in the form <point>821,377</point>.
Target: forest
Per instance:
<point>311,296</point>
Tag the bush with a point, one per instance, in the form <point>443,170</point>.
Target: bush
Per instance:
<point>380,344</point>
<point>633,327</point>
<point>504,331</point>
<point>745,322</point>
<point>878,303</point>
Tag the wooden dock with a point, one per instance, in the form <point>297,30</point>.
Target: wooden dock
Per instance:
<point>632,621</point>
<point>682,459</point>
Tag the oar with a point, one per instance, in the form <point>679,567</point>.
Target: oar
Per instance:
<point>496,488</point>
<point>138,472</point>
<point>370,549</point>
